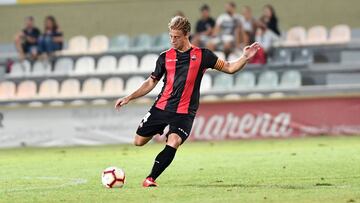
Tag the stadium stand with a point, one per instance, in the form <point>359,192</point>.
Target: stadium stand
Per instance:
<point>103,68</point>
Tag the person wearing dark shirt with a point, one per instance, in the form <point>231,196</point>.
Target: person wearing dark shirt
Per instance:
<point>26,40</point>
<point>270,18</point>
<point>204,27</point>
<point>52,38</point>
<point>182,67</point>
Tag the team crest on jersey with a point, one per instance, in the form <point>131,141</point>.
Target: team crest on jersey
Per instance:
<point>193,57</point>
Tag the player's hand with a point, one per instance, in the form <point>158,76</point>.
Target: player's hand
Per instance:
<point>121,102</point>
<point>250,51</point>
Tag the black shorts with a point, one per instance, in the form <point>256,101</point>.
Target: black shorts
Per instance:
<point>155,121</point>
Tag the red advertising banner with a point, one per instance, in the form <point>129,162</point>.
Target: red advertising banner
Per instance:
<point>277,118</point>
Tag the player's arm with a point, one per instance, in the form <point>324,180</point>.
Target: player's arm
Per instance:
<point>144,89</point>
<point>232,67</point>
<point>148,85</point>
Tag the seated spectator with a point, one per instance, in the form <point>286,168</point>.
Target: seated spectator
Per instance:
<point>204,27</point>
<point>266,37</point>
<point>270,19</point>
<point>248,23</point>
<point>52,38</point>
<point>227,31</point>
<point>26,40</point>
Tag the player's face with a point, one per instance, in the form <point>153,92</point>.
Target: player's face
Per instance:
<point>177,39</point>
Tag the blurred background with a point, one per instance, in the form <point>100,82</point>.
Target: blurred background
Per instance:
<point>63,63</point>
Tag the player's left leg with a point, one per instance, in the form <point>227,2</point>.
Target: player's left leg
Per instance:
<point>179,131</point>
<point>163,159</point>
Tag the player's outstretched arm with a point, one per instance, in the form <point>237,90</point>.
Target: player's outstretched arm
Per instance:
<point>234,66</point>
<point>144,89</point>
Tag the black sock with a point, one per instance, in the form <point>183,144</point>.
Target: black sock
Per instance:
<point>162,160</point>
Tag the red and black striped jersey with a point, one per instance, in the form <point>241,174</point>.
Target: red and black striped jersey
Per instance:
<point>183,73</point>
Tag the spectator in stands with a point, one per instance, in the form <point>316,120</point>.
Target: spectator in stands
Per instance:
<point>266,37</point>
<point>227,31</point>
<point>52,38</point>
<point>248,23</point>
<point>270,19</point>
<point>204,27</point>
<point>27,39</point>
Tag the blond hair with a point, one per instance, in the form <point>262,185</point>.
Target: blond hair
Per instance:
<point>180,23</point>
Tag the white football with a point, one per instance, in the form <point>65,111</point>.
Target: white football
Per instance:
<point>113,177</point>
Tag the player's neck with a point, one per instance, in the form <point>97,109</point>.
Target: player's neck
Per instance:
<point>185,48</point>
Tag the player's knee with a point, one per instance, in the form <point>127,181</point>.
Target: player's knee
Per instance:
<point>138,143</point>
<point>174,140</point>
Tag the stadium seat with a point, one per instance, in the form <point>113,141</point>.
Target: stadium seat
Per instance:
<point>210,98</point>
<point>295,36</point>
<point>231,97</point>
<point>280,57</point>
<point>49,89</point>
<point>133,83</point>
<point>84,65</point>
<point>291,79</point>
<point>120,43</point>
<point>106,65</point>
<point>70,88</point>
<point>20,69</point>
<point>255,96</point>
<point>302,57</point>
<point>26,90</point>
<point>223,82</point>
<point>92,87</point>
<point>128,63</point>
<point>2,71</point>
<point>340,34</point>
<point>98,44</point>
<point>350,57</point>
<point>161,42</point>
<point>41,68</point>
<point>77,45</point>
<point>245,81</point>
<point>316,35</point>
<point>63,66</point>
<point>268,80</point>
<point>148,62</point>
<point>276,95</point>
<point>220,54</point>
<point>206,83</point>
<point>113,86</point>
<point>8,50</point>
<point>343,79</point>
<point>7,90</point>
<point>141,42</point>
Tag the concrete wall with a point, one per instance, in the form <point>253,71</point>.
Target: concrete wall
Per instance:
<point>134,16</point>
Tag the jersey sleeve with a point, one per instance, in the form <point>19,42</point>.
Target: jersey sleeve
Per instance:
<point>159,68</point>
<point>212,61</point>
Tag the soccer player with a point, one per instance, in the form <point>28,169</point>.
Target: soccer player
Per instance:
<point>183,66</point>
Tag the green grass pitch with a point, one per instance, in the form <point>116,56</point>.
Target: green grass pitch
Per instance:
<point>321,169</point>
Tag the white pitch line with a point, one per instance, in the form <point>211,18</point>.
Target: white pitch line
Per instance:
<point>70,182</point>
